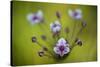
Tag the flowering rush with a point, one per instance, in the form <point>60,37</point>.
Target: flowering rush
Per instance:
<point>75,14</point>
<point>34,18</point>
<point>55,26</point>
<point>62,46</point>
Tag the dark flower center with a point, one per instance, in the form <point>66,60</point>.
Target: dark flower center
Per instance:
<point>55,25</point>
<point>75,13</point>
<point>35,18</point>
<point>61,48</point>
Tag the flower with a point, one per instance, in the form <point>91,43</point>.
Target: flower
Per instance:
<point>35,17</point>
<point>55,27</point>
<point>62,47</point>
<point>75,14</point>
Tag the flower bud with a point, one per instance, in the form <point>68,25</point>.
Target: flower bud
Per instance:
<point>43,37</point>
<point>84,24</point>
<point>41,53</point>
<point>58,15</point>
<point>34,39</point>
<point>78,41</point>
<point>45,49</point>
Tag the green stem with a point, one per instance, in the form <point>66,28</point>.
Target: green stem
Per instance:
<point>39,44</point>
<point>48,56</point>
<point>46,51</point>
<point>80,31</point>
<point>67,37</point>
<point>72,37</point>
<point>77,36</point>
<point>72,46</point>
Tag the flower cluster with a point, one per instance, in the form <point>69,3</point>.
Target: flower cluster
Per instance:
<point>62,46</point>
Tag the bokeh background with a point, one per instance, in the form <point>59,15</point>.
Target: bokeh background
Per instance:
<point>24,52</point>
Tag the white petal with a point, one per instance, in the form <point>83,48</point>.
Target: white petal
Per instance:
<point>39,14</point>
<point>29,16</point>
<point>67,44</point>
<point>57,22</point>
<point>66,50</point>
<point>78,11</point>
<point>61,54</point>
<point>35,21</point>
<point>56,50</point>
<point>62,39</point>
<point>70,12</point>
<point>51,25</point>
<point>79,16</point>
<point>56,29</point>
<point>61,42</point>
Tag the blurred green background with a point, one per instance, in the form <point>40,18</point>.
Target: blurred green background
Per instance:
<point>24,52</point>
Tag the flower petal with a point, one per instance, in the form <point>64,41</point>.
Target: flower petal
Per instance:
<point>56,50</point>
<point>29,16</point>
<point>70,12</point>
<point>78,11</point>
<point>61,42</point>
<point>79,16</point>
<point>61,54</point>
<point>39,14</point>
<point>66,50</point>
<point>56,29</point>
<point>51,26</point>
<point>57,22</point>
